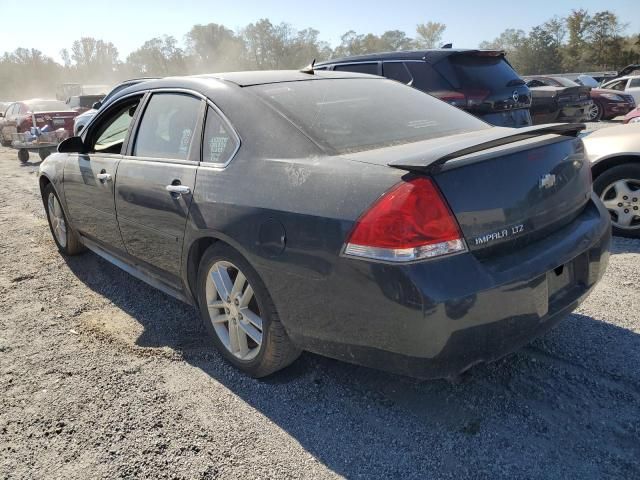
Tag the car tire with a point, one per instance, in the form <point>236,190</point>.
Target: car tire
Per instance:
<point>23,155</point>
<point>605,187</point>
<point>275,350</point>
<point>595,112</point>
<point>69,243</point>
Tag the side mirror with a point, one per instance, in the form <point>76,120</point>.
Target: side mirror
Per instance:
<point>72,145</point>
<point>96,105</point>
<point>1,114</point>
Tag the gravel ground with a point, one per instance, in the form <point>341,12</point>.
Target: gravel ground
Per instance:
<point>102,376</point>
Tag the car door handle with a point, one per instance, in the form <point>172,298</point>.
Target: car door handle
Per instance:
<point>103,177</point>
<point>178,189</point>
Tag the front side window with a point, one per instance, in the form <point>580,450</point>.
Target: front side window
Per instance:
<point>370,68</point>
<point>348,115</point>
<point>219,143</point>
<point>635,82</point>
<point>111,132</point>
<point>167,128</point>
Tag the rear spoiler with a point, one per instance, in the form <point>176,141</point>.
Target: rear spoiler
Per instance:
<point>431,160</point>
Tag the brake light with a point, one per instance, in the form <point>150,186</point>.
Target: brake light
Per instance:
<point>410,222</point>
<point>468,98</point>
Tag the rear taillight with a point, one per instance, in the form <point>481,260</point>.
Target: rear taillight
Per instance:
<point>465,99</point>
<point>410,222</point>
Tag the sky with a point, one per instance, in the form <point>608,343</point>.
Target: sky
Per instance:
<point>49,26</point>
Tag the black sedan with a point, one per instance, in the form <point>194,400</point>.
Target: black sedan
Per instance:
<point>557,99</point>
<point>339,213</point>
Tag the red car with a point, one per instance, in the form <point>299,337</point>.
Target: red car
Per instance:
<point>608,104</point>
<point>21,116</point>
<point>633,116</point>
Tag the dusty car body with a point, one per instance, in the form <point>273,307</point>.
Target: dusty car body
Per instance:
<point>422,241</point>
<point>614,154</point>
<point>21,116</point>
<point>554,101</point>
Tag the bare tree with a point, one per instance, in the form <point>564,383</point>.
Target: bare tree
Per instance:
<point>429,35</point>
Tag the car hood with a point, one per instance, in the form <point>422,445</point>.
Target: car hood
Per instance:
<point>612,142</point>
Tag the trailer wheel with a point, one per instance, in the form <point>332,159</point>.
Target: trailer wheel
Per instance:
<point>23,155</point>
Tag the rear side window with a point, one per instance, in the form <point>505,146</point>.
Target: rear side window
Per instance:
<point>426,78</point>
<point>396,71</point>
<point>219,142</point>
<point>167,126</point>
<point>347,115</point>
<point>473,72</point>
<point>371,68</point>
<point>635,82</point>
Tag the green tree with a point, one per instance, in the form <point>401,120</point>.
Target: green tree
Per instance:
<point>214,47</point>
<point>159,56</point>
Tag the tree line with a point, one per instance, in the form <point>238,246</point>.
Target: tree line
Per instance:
<point>578,42</point>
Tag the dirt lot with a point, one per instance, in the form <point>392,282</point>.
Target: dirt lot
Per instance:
<point>102,376</point>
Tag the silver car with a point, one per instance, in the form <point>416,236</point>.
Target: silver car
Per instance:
<point>615,158</point>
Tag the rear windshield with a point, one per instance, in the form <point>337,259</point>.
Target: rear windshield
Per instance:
<point>47,106</point>
<point>472,71</point>
<point>88,100</point>
<point>347,115</point>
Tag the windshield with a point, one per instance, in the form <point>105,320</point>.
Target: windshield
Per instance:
<point>47,106</point>
<point>346,115</point>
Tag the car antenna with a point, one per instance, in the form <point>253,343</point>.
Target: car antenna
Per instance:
<point>309,68</point>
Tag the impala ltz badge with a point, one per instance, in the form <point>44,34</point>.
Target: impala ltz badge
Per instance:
<point>499,234</point>
<point>547,181</point>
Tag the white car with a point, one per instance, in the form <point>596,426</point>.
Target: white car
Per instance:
<point>629,85</point>
<point>614,154</point>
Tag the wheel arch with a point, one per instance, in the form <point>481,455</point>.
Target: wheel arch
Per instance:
<point>194,252</point>
<point>605,164</point>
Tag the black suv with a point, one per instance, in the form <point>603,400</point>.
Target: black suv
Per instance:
<point>479,81</point>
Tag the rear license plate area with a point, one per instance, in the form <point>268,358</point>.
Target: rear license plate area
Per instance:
<point>567,282</point>
<point>58,122</point>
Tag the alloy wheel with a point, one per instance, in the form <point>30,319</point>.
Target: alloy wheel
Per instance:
<point>233,310</point>
<point>594,112</point>
<point>56,217</point>
<point>622,199</point>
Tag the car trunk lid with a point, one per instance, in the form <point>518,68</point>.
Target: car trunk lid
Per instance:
<point>508,189</point>
<point>55,120</point>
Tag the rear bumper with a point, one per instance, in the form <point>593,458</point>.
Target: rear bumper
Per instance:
<point>438,318</point>
<point>574,112</point>
<point>512,118</point>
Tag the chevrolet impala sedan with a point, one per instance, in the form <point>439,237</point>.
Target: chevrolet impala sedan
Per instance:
<point>339,213</point>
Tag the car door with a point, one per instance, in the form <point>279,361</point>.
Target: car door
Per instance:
<point>633,88</point>
<point>89,179</point>
<point>156,179</point>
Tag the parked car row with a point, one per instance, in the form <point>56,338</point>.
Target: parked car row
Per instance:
<point>561,99</point>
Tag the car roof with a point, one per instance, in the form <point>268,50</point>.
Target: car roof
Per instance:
<point>261,77</point>
<point>430,56</point>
